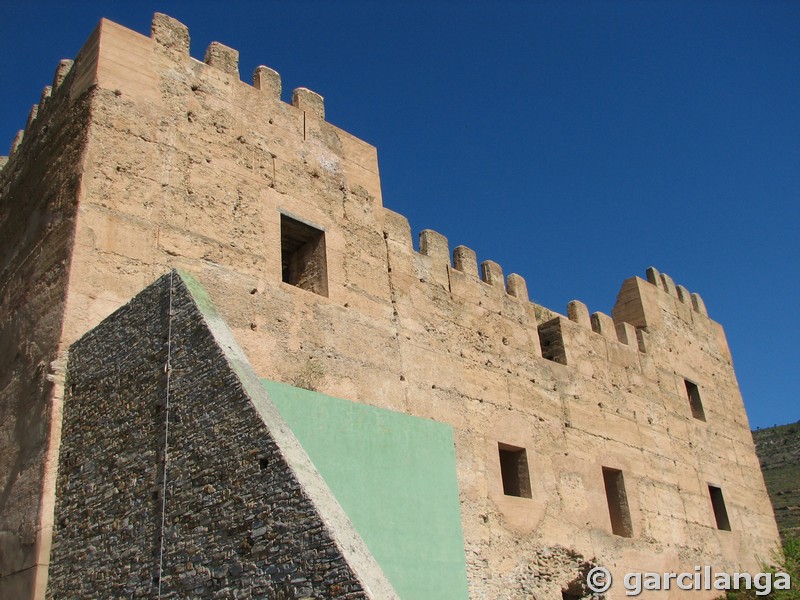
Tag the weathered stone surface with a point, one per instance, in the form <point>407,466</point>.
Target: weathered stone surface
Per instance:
<point>517,287</point>
<point>223,58</point>
<point>699,305</point>
<point>38,204</point>
<point>17,142</point>
<point>62,71</point>
<point>309,101</point>
<point>578,312</point>
<point>147,160</point>
<point>434,244</point>
<point>268,81</point>
<point>604,325</point>
<point>492,273</point>
<point>170,34</point>
<point>465,260</point>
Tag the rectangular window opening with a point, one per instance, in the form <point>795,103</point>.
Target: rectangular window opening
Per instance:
<point>617,502</point>
<point>693,393</point>
<point>514,469</point>
<point>304,261</point>
<point>718,504</point>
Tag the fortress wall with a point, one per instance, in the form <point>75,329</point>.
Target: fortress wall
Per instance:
<point>187,166</point>
<point>39,186</point>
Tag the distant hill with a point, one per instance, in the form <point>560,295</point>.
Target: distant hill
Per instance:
<point>778,450</point>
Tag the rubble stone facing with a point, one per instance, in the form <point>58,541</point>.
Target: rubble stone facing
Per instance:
<point>237,523</point>
<point>107,491</point>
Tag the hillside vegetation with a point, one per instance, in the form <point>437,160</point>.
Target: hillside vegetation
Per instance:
<point>778,450</point>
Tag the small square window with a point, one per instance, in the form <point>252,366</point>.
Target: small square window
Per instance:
<point>693,393</point>
<point>303,256</point>
<point>617,502</point>
<point>718,504</point>
<point>514,469</point>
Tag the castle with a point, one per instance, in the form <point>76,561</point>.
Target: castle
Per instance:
<point>580,439</point>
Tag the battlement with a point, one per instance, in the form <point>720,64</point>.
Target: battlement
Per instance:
<point>170,39</point>
<point>144,68</point>
<point>38,110</point>
<point>664,282</point>
<point>634,318</point>
<point>643,303</point>
<point>173,37</point>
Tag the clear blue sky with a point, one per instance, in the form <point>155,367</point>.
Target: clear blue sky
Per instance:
<point>575,143</point>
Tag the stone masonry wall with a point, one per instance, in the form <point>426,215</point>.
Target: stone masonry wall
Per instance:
<point>108,491</point>
<point>188,166</point>
<point>38,206</point>
<point>237,523</point>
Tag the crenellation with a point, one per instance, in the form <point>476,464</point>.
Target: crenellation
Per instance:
<point>465,260</point>
<point>432,263</point>
<point>586,352</point>
<point>698,304</point>
<point>435,245</point>
<point>683,294</point>
<point>17,142</point>
<point>32,114</point>
<point>268,81</point>
<point>63,69</point>
<point>223,57</point>
<point>170,34</point>
<point>397,228</point>
<point>654,276</point>
<point>668,285</point>
<point>433,248</point>
<point>578,312</point>
<point>604,325</point>
<point>47,93</point>
<point>492,273</point>
<point>309,102</point>
<point>517,287</point>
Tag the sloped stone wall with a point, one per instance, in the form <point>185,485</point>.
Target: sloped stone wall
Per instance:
<point>237,522</point>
